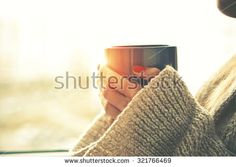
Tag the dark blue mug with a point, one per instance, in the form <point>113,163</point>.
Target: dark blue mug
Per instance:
<point>122,59</point>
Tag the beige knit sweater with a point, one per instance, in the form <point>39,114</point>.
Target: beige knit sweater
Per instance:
<point>165,119</point>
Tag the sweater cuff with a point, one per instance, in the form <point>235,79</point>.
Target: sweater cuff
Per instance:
<point>162,119</point>
<point>99,126</point>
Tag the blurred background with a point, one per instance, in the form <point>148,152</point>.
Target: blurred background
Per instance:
<point>42,39</point>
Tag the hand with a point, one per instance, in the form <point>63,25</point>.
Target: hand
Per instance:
<point>115,96</point>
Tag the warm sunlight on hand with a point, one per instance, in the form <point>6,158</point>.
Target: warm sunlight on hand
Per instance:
<point>115,96</point>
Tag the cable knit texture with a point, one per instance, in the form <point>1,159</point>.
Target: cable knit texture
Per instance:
<point>163,119</point>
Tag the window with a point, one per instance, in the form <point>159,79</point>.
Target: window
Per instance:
<point>43,39</point>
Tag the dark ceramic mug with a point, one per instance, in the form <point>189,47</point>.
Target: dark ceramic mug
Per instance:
<point>122,59</point>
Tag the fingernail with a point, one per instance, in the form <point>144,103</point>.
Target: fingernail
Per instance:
<point>138,69</point>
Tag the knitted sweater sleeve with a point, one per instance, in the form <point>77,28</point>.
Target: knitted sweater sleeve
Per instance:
<point>162,119</point>
<point>95,131</point>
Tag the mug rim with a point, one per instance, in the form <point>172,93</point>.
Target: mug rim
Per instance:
<point>140,46</point>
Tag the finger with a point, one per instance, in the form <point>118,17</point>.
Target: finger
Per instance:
<point>116,99</point>
<point>151,71</point>
<point>147,73</point>
<point>109,108</point>
<point>115,81</point>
